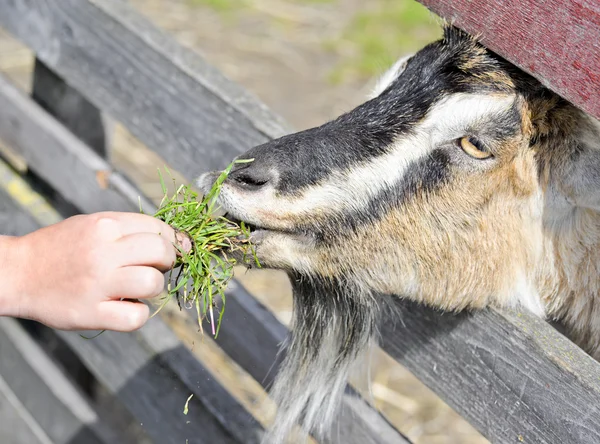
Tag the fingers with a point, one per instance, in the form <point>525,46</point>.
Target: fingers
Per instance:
<point>132,223</point>
<point>113,315</point>
<point>145,249</point>
<point>121,316</point>
<point>183,241</point>
<point>135,282</point>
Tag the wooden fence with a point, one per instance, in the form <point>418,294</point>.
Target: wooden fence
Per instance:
<point>514,377</point>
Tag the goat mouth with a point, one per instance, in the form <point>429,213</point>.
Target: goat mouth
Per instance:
<point>256,231</point>
<point>252,229</point>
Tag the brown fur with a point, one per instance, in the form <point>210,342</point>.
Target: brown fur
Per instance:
<point>497,227</point>
<point>423,220</point>
<point>463,246</point>
<point>474,251</point>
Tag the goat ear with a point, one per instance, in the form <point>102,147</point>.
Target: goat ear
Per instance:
<point>389,76</point>
<point>576,173</point>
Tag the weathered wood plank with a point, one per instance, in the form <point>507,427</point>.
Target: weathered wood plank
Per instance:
<point>157,337</point>
<point>45,393</point>
<point>152,374</point>
<point>511,375</point>
<point>252,335</point>
<point>70,108</point>
<point>149,385</point>
<point>36,209</point>
<point>16,425</point>
<point>167,96</point>
<point>61,159</point>
<point>14,221</point>
<point>556,41</point>
<point>111,412</point>
<point>62,150</point>
<point>76,113</point>
<point>443,338</point>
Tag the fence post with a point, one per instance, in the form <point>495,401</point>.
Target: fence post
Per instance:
<point>75,112</point>
<point>69,107</point>
<point>86,122</point>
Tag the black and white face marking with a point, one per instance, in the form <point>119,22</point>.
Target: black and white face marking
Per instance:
<point>457,185</point>
<point>317,184</point>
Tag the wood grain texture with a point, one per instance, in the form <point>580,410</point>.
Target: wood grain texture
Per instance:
<point>514,377</point>
<point>157,336</point>
<point>167,96</point>
<point>60,158</point>
<point>148,383</point>
<point>252,336</point>
<point>556,41</point>
<point>50,400</point>
<point>14,220</point>
<point>16,425</point>
<point>511,375</point>
<point>69,107</point>
<point>152,374</point>
<point>24,125</point>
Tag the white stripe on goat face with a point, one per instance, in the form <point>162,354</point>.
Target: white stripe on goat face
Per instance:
<point>352,189</point>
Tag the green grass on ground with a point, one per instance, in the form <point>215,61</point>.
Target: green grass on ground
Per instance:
<point>378,34</point>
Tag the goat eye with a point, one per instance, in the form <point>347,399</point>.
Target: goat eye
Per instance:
<point>474,147</point>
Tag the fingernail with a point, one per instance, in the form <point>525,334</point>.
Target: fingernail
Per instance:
<point>183,240</point>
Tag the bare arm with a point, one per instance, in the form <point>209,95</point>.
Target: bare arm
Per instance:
<point>73,275</point>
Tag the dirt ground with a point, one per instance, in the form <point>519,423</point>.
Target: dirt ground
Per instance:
<point>309,60</point>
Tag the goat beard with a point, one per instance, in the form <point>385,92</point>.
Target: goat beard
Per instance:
<point>334,322</point>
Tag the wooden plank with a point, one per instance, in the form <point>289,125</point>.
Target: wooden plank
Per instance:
<point>16,424</point>
<point>158,337</point>
<point>70,108</point>
<point>50,400</point>
<point>556,41</point>
<point>510,374</point>
<point>14,221</point>
<point>36,128</point>
<point>76,113</point>
<point>427,326</point>
<point>167,96</point>
<point>32,208</point>
<point>252,335</point>
<point>152,374</point>
<point>110,411</point>
<point>61,159</point>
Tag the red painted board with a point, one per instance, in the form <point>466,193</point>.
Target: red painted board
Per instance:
<point>557,41</point>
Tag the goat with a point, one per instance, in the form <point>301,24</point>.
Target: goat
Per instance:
<point>461,183</point>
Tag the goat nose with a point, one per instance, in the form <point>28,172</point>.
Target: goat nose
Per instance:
<point>250,178</point>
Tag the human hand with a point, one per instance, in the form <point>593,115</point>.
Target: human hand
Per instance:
<point>73,275</point>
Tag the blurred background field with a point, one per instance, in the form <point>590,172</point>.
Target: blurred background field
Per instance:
<point>309,61</point>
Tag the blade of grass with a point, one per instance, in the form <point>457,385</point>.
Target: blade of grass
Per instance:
<point>208,266</point>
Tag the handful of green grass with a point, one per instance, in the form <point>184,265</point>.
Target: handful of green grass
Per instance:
<point>205,268</point>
